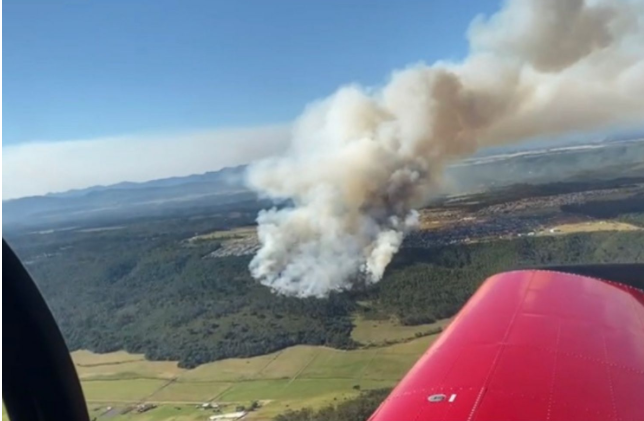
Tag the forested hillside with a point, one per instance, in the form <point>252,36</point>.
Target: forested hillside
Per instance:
<point>164,299</point>
<point>144,288</point>
<point>424,285</point>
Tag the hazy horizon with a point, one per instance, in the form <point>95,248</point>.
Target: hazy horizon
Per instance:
<point>276,138</point>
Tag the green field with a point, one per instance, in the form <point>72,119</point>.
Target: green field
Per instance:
<point>292,378</point>
<point>181,391</point>
<point>128,368</point>
<point>162,413</point>
<point>379,332</point>
<point>232,369</point>
<point>290,362</point>
<point>83,357</point>
<point>131,390</point>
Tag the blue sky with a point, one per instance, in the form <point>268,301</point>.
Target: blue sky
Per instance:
<point>78,70</point>
<point>98,92</point>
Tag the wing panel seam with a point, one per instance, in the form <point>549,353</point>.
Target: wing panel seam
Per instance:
<point>503,345</point>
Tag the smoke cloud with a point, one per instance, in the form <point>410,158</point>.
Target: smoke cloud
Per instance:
<point>361,160</point>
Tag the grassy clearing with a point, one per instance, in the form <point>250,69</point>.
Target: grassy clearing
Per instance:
<point>130,370</point>
<point>257,389</point>
<point>120,390</point>
<point>310,388</point>
<point>233,369</point>
<point>298,389</point>
<point>590,226</point>
<point>389,366</point>
<point>84,357</point>
<point>415,348</point>
<point>161,413</point>
<point>289,362</point>
<point>240,232</point>
<point>169,412</point>
<point>275,408</point>
<point>190,392</point>
<point>378,332</point>
<point>332,363</point>
<point>430,219</point>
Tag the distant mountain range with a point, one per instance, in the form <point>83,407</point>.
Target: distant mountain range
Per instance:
<point>580,162</point>
<point>603,159</point>
<point>220,186</point>
<point>224,179</point>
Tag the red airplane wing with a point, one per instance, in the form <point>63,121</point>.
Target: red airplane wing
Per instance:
<point>532,345</point>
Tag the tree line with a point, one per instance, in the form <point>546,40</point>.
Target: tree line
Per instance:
<point>357,409</point>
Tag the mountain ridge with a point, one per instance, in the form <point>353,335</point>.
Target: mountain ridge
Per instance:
<point>235,174</point>
<point>181,195</point>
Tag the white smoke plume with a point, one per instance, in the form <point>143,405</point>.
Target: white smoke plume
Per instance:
<point>362,160</point>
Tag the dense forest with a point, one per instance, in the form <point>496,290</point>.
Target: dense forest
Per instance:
<point>144,288</point>
<point>423,285</point>
<point>358,409</point>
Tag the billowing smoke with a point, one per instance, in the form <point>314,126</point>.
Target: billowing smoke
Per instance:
<point>362,160</point>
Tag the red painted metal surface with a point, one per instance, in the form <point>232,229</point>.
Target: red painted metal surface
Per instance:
<point>532,345</point>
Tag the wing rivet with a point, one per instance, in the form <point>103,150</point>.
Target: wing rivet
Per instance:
<point>437,398</point>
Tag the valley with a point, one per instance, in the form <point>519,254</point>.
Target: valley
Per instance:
<point>294,378</point>
<point>162,315</point>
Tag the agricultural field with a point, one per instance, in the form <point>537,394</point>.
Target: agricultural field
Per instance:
<point>296,377</point>
<point>88,358</point>
<point>130,390</point>
<point>121,365</point>
<point>382,332</point>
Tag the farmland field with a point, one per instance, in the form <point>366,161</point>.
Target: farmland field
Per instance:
<point>131,390</point>
<point>379,332</point>
<point>293,378</point>
<point>128,368</point>
<point>232,369</point>
<point>181,391</point>
<point>84,357</point>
